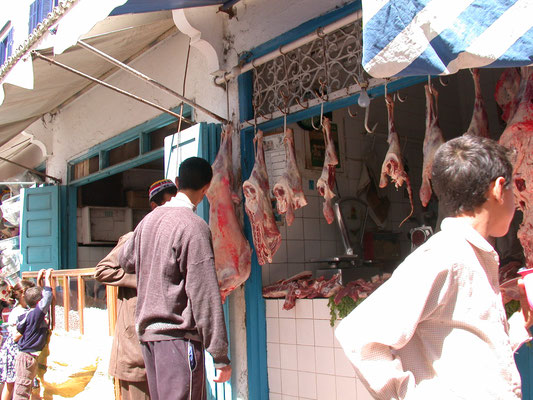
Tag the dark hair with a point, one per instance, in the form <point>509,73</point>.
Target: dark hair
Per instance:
<point>194,173</point>
<point>463,170</point>
<point>33,295</point>
<point>158,198</point>
<point>18,290</point>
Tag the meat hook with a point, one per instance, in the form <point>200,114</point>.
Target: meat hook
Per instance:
<point>442,82</point>
<point>397,96</point>
<point>353,115</point>
<point>301,105</point>
<point>429,85</point>
<point>367,111</point>
<point>321,116</point>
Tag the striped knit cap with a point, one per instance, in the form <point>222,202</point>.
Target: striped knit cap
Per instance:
<point>159,186</point>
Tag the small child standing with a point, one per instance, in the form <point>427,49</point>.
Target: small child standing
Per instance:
<point>9,348</point>
<point>33,330</point>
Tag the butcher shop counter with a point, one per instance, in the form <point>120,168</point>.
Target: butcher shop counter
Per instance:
<point>304,359</point>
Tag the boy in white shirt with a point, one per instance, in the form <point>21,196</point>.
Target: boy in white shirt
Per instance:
<point>437,329</point>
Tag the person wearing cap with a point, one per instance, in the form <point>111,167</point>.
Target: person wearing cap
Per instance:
<point>160,192</point>
<point>126,362</point>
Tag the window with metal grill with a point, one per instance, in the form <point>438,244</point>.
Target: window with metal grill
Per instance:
<point>39,10</point>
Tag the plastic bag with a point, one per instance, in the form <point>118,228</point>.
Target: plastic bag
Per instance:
<point>11,210</point>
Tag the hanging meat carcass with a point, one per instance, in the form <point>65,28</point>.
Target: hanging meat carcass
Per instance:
<point>326,182</point>
<point>288,190</point>
<point>393,164</point>
<point>265,232</point>
<point>518,135</point>
<point>433,139</point>
<point>506,92</point>
<point>479,126</point>
<point>233,256</point>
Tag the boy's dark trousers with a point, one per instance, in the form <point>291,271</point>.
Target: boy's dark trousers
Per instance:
<point>25,370</point>
<point>175,369</point>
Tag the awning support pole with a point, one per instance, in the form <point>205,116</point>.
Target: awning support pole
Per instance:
<point>151,81</point>
<point>31,169</point>
<point>107,85</point>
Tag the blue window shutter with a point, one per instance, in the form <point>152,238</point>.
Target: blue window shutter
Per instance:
<point>46,7</point>
<point>40,241</point>
<point>2,52</point>
<point>34,16</point>
<point>9,49</point>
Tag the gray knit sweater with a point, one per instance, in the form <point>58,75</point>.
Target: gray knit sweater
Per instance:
<point>178,295</point>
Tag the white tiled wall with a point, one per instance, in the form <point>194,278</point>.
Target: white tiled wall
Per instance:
<point>304,359</point>
<point>89,256</point>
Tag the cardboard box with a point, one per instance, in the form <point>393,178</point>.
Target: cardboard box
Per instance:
<point>137,199</point>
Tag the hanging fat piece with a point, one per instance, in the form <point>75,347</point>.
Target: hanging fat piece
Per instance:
<point>393,164</point>
<point>433,139</point>
<point>518,135</point>
<point>288,190</point>
<point>265,232</point>
<point>479,126</point>
<point>326,182</point>
<point>233,256</point>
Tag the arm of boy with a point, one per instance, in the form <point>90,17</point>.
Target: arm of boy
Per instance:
<point>126,256</point>
<point>520,322</point>
<point>386,321</point>
<point>46,300</point>
<point>109,271</point>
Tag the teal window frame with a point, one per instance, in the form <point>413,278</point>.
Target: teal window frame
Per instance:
<point>146,154</point>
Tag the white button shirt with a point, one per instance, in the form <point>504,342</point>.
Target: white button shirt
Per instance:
<point>437,328</point>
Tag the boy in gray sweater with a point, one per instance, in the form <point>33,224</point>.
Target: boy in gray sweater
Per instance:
<point>179,309</point>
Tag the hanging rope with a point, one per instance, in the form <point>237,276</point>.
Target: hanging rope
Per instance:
<point>181,111</point>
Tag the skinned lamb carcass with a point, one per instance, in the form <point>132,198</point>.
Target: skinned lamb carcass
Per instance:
<point>479,125</point>
<point>506,92</point>
<point>288,190</point>
<point>393,164</point>
<point>326,182</point>
<point>433,139</point>
<point>233,255</point>
<point>265,232</point>
<point>518,135</point>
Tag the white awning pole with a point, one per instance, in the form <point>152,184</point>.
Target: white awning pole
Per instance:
<point>237,70</point>
<point>107,85</point>
<point>151,81</point>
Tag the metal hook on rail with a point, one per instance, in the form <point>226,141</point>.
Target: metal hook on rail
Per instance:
<point>321,117</point>
<point>442,82</point>
<point>353,115</point>
<point>368,130</point>
<point>301,105</point>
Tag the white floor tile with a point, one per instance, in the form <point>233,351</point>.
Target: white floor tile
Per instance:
<point>321,309</point>
<point>325,360</point>
<point>326,387</point>
<point>273,355</point>
<point>287,330</point>
<point>274,380</point>
<point>289,383</point>
<point>323,333</point>
<point>311,229</point>
<point>307,385</point>
<point>306,358</point>
<point>272,325</point>
<point>343,366</point>
<point>345,388</point>
<point>288,357</point>
<point>305,332</point>
<point>271,308</point>
<point>304,308</point>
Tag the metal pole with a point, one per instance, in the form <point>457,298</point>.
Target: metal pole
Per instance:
<point>107,85</point>
<point>31,169</point>
<point>151,81</point>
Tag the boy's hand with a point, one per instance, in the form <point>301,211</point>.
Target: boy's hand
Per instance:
<point>524,304</point>
<point>48,277</point>
<point>40,277</point>
<point>224,374</point>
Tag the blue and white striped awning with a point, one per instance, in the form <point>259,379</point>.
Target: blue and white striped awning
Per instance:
<point>437,37</point>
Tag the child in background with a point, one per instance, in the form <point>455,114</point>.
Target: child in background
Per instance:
<point>9,348</point>
<point>33,334</point>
